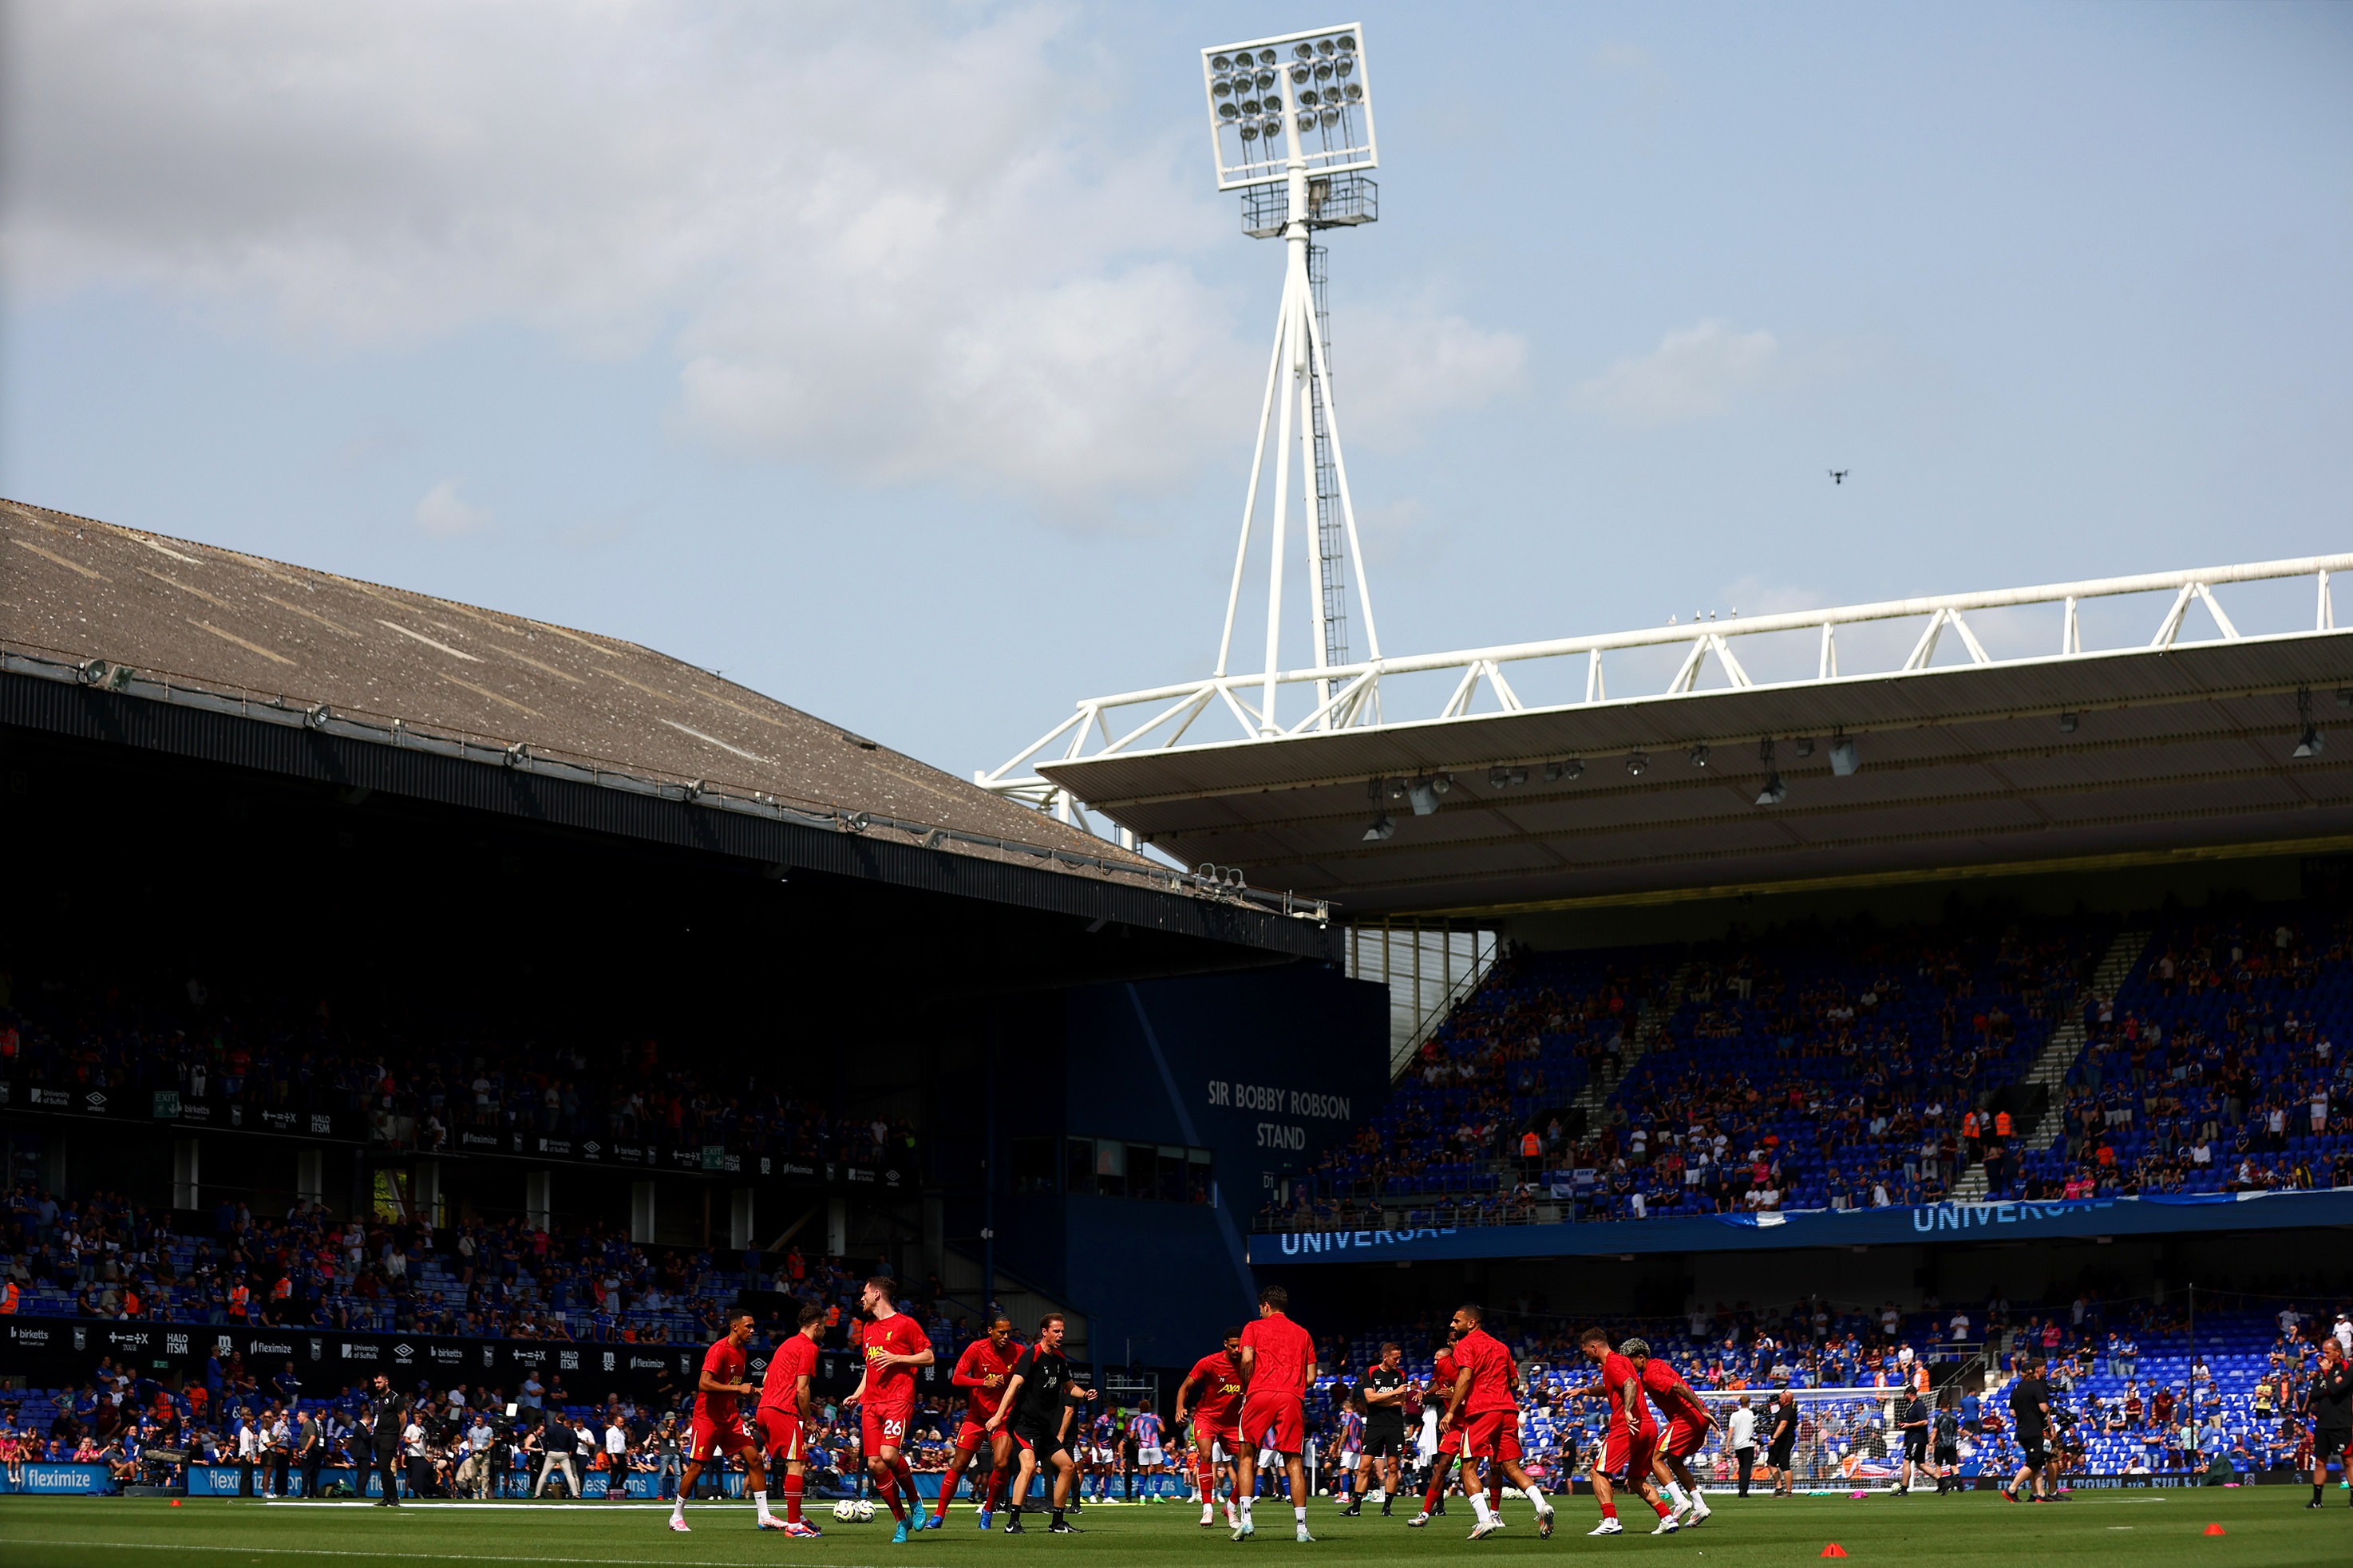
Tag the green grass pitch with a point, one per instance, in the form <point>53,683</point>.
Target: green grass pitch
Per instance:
<point>2266,1525</point>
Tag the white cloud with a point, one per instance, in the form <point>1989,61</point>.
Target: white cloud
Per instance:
<point>895,243</point>
<point>1695,372</point>
<point>444,516</point>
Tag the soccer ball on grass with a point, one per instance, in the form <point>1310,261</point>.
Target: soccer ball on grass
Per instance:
<point>853,1510</point>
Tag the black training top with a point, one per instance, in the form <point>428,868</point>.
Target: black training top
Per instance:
<point>1386,1420</point>
<point>2026,1403</point>
<point>2332,1398</point>
<point>1045,1377</point>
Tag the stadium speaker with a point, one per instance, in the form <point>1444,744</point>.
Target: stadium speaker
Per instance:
<point>2308,744</point>
<point>1774,793</point>
<point>1423,792</point>
<point>1845,760</point>
<point>1381,828</point>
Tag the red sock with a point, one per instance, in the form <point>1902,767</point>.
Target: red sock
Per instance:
<point>1609,1510</point>
<point>792,1500</point>
<point>906,1474</point>
<point>1495,1490</point>
<point>1661,1506</point>
<point>949,1485</point>
<point>887,1483</point>
<point>1437,1490</point>
<point>995,1488</point>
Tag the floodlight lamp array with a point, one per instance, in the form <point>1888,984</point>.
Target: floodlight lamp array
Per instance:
<point>1313,83</point>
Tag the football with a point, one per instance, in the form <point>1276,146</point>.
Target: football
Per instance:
<point>854,1511</point>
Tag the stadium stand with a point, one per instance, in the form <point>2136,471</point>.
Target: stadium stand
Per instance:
<point>1860,1067</point>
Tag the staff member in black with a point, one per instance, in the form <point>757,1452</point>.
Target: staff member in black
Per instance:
<point>1781,1446</point>
<point>1035,1409</point>
<point>1383,1390</point>
<point>1948,1446</point>
<point>1915,1442</point>
<point>2030,1410</point>
<point>384,1447</point>
<point>2330,1403</point>
<point>310,1452</point>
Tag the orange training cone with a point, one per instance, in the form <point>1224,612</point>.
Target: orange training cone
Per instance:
<point>1833,1550</point>
<point>175,1502</point>
<point>2214,1530</point>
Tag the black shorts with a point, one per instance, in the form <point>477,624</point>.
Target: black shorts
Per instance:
<point>2031,1444</point>
<point>1045,1445</point>
<point>1948,1453</point>
<point>1916,1446</point>
<point>1778,1455</point>
<point>1384,1445</point>
<point>2329,1442</point>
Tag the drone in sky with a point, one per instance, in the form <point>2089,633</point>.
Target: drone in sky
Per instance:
<point>1838,475</point>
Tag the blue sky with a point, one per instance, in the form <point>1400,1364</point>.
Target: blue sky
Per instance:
<point>902,361</point>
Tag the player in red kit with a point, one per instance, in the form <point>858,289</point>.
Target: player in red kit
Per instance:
<point>1444,1374</point>
<point>717,1432</point>
<point>1483,1394</point>
<point>895,1345</point>
<point>981,1373</point>
<point>784,1413</point>
<point>1277,1363</point>
<point>1213,1391</point>
<point>1687,1424</point>
<point>1633,1441</point>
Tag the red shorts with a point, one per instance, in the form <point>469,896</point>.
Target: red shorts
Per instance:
<point>1277,1421</point>
<point>780,1432</point>
<point>1220,1426</point>
<point>1494,1434</point>
<point>709,1440</point>
<point>973,1434</point>
<point>1684,1437</point>
<point>884,1428</point>
<point>1631,1456</point>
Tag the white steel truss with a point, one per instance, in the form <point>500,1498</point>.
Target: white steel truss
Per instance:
<point>1346,695</point>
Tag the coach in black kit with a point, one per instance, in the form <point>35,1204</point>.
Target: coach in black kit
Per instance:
<point>1383,1390</point>
<point>1035,1409</point>
<point>2331,1402</point>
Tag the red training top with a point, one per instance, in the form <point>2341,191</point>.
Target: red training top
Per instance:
<point>794,1360</point>
<point>980,1362</point>
<point>1489,1365</point>
<point>1220,1402</point>
<point>892,1388</point>
<point>1671,1394</point>
<point>1617,1372</point>
<point>722,1362</point>
<point>1284,1352</point>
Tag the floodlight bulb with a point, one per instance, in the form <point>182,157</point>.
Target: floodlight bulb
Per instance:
<point>1274,125</point>
<point>1304,51</point>
<point>1345,41</point>
<point>1265,80</point>
<point>1322,70</point>
<point>1227,111</point>
<point>1267,57</point>
<point>1308,99</point>
<point>1250,131</point>
<point>1331,117</point>
<point>1324,47</point>
<point>1223,62</point>
<point>1249,106</point>
<point>1355,92</point>
<point>1300,74</point>
<point>1224,88</point>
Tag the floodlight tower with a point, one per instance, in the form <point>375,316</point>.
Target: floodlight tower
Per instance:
<point>1291,125</point>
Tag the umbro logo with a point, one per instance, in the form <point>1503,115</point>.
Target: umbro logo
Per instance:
<point>403,1351</point>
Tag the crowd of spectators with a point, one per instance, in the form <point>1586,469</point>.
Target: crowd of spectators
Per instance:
<point>1858,1067</point>
<point>414,1086</point>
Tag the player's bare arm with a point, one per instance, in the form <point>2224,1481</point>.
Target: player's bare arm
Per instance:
<point>1004,1406</point>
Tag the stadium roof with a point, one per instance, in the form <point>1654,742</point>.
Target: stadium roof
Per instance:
<point>193,626</point>
<point>1985,766</point>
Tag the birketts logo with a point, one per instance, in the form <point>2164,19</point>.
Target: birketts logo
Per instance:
<point>445,1355</point>
<point>28,1336</point>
